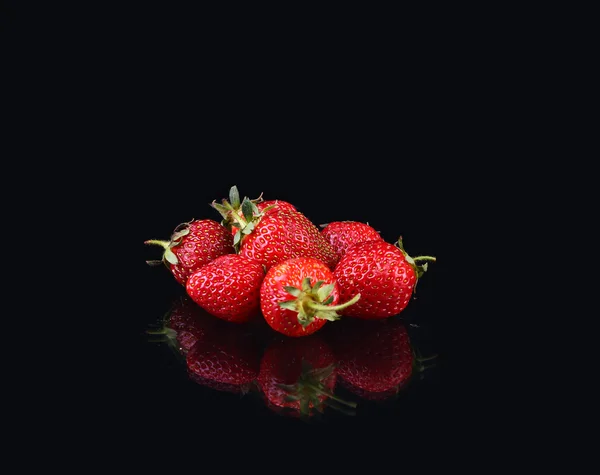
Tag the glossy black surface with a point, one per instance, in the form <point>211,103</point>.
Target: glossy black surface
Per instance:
<point>430,406</point>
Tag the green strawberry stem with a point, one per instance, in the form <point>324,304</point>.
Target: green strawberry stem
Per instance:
<point>156,242</point>
<point>424,258</point>
<point>312,301</point>
<point>419,269</point>
<point>243,215</point>
<point>333,308</point>
<point>168,256</point>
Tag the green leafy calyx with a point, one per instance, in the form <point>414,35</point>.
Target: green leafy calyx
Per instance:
<point>313,301</point>
<point>239,215</point>
<point>169,256</point>
<point>419,269</point>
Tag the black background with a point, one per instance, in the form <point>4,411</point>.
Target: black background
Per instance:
<point>156,115</point>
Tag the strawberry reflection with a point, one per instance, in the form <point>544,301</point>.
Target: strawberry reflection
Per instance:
<point>375,360</point>
<point>190,323</point>
<point>226,361</point>
<point>217,354</point>
<point>297,377</point>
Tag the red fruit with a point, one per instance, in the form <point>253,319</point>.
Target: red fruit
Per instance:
<point>383,274</point>
<point>375,359</point>
<point>271,206</point>
<point>228,288</point>
<point>275,205</point>
<point>193,245</point>
<point>284,235</point>
<point>274,235</point>
<point>299,295</point>
<point>298,374</point>
<point>227,360</point>
<point>343,234</point>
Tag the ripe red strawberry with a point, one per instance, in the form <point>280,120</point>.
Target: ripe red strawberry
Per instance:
<point>299,295</point>
<point>228,288</point>
<point>238,214</point>
<point>384,275</point>
<point>274,235</point>
<point>264,208</point>
<point>193,245</point>
<point>284,235</point>
<point>274,205</point>
<point>298,375</point>
<point>343,234</point>
<point>225,360</point>
<point>375,359</point>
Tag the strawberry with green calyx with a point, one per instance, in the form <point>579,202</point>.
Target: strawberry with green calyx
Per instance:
<point>238,216</point>
<point>242,216</point>
<point>343,234</point>
<point>384,274</point>
<point>271,234</point>
<point>419,269</point>
<point>299,295</point>
<point>193,245</point>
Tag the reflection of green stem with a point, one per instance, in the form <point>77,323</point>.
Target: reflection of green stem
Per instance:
<point>329,394</point>
<point>337,407</point>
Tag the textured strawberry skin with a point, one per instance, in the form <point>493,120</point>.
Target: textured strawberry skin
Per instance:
<point>343,234</point>
<point>275,205</point>
<point>283,235</point>
<point>206,241</point>
<point>291,272</point>
<point>228,288</point>
<point>380,273</point>
<point>375,359</point>
<point>282,364</point>
<point>227,358</point>
<point>190,322</point>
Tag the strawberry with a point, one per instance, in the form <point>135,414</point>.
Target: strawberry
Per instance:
<point>298,375</point>
<point>233,215</point>
<point>275,234</point>
<point>228,288</point>
<point>343,234</point>
<point>193,245</point>
<point>375,359</point>
<point>225,360</point>
<point>270,206</point>
<point>264,208</point>
<point>299,295</point>
<point>384,275</point>
<point>284,235</point>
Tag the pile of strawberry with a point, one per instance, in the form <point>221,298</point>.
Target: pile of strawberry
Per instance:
<point>267,258</point>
